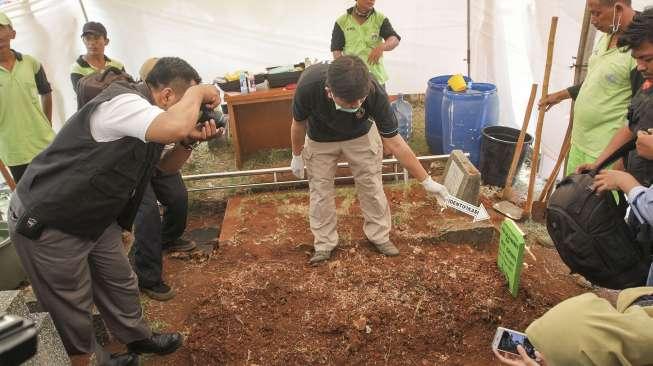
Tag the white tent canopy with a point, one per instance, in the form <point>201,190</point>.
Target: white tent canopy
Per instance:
<point>508,41</point>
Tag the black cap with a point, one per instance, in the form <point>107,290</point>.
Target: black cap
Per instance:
<point>94,28</point>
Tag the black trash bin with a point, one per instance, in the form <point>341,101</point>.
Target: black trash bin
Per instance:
<point>498,145</point>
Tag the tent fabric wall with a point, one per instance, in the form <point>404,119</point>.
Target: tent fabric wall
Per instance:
<point>509,39</point>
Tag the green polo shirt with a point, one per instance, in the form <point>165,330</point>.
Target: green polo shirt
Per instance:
<point>24,129</point>
<point>81,68</point>
<point>360,39</point>
<point>602,103</point>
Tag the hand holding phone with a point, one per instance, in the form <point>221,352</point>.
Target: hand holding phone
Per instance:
<point>514,348</point>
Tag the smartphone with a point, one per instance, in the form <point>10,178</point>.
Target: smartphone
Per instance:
<point>507,340</point>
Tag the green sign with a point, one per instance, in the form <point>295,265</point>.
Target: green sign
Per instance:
<point>511,254</point>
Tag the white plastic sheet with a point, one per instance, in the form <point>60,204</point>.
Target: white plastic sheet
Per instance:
<point>509,40</point>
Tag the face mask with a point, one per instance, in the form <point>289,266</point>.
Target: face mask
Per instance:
<point>347,110</point>
<point>616,23</point>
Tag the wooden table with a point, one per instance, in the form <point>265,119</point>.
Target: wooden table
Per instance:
<point>259,120</point>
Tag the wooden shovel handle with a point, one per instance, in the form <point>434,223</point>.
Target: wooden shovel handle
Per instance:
<point>540,118</point>
<point>564,150</point>
<point>522,136</point>
<point>7,176</point>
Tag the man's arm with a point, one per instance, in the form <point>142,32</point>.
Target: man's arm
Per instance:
<point>45,90</point>
<point>552,99</point>
<point>180,121</point>
<point>74,78</point>
<point>619,139</point>
<point>46,104</point>
<point>297,136</point>
<point>405,155</point>
<point>337,41</point>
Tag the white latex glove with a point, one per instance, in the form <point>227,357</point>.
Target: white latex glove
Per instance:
<point>437,189</point>
<point>297,166</point>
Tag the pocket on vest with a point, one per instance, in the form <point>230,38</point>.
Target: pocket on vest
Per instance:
<point>121,180</point>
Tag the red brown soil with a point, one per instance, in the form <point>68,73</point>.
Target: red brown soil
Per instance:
<point>257,301</point>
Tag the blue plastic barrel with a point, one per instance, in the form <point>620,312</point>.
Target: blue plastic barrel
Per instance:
<point>464,115</point>
<point>433,112</point>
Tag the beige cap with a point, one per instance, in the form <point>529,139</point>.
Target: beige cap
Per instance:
<point>148,65</point>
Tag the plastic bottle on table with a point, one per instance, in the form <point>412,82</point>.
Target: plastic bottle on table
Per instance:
<point>244,87</point>
<point>251,81</point>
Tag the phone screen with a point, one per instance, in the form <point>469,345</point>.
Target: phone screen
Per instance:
<point>511,339</point>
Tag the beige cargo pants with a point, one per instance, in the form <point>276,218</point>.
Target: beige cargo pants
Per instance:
<point>364,155</point>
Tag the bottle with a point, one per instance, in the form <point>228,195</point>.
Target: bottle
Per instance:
<point>404,113</point>
<point>244,89</point>
<point>251,81</point>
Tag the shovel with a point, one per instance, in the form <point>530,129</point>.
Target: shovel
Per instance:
<point>540,118</point>
<point>506,207</point>
<point>539,207</point>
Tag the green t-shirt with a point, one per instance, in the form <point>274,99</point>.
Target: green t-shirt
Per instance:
<point>24,129</point>
<point>602,103</point>
<point>361,39</point>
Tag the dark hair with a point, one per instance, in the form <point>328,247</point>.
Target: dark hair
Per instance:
<point>639,31</point>
<point>170,71</point>
<point>612,2</point>
<point>348,78</point>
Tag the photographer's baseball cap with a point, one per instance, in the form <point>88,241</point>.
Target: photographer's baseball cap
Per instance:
<point>4,20</point>
<point>94,28</point>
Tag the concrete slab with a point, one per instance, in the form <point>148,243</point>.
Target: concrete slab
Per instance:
<point>231,222</point>
<point>456,230</point>
<point>50,351</point>
<point>13,302</point>
<point>461,178</point>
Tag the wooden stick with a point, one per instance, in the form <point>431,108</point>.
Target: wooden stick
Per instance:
<point>507,190</point>
<point>7,176</point>
<point>564,150</point>
<point>540,118</point>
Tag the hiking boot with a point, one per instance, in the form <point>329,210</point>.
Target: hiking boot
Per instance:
<point>320,256</point>
<point>122,359</point>
<point>159,292</point>
<point>387,248</point>
<point>179,245</point>
<point>159,343</point>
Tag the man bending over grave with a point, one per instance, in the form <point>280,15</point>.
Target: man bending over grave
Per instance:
<point>340,110</point>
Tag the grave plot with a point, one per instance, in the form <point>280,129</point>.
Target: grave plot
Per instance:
<point>256,301</point>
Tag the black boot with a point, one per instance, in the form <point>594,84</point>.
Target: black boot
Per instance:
<point>122,359</point>
<point>158,343</point>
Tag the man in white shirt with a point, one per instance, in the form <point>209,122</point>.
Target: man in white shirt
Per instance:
<point>68,212</point>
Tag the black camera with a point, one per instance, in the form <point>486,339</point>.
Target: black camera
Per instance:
<point>207,114</point>
<point>18,339</point>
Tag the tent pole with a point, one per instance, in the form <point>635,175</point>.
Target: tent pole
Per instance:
<point>469,31</point>
<point>81,4</point>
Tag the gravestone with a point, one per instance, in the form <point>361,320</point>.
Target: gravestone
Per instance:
<point>461,178</point>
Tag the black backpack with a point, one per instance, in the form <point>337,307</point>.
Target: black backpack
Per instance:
<point>91,85</point>
<point>591,235</point>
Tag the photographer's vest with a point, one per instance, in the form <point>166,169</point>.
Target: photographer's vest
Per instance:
<point>640,117</point>
<point>361,39</point>
<point>81,186</point>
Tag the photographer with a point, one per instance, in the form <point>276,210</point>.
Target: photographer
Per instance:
<point>67,214</point>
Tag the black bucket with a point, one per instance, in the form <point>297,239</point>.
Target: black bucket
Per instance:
<point>497,148</point>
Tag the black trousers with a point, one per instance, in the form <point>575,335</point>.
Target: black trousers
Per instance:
<point>151,232</point>
<point>17,171</point>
